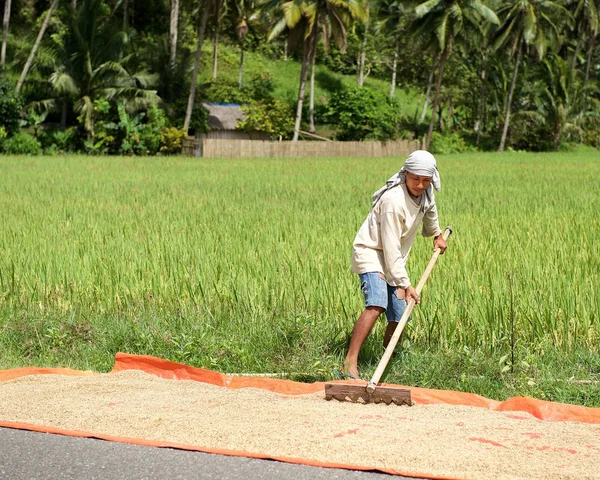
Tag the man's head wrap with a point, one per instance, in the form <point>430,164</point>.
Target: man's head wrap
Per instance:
<point>422,164</point>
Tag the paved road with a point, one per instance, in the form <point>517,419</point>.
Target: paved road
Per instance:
<point>31,455</point>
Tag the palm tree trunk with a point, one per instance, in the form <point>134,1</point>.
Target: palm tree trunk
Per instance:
<point>36,45</point>
<point>478,123</point>
<point>438,86</point>
<point>125,14</point>
<point>395,65</point>
<point>5,22</point>
<point>557,136</point>
<point>241,69</point>
<point>216,37</point>
<point>590,52</point>
<point>363,48</point>
<point>192,95</point>
<point>306,59</point>
<point>63,116</point>
<point>428,92</point>
<point>511,91</point>
<point>311,102</point>
<point>173,31</point>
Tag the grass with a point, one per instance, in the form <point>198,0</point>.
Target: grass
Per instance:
<point>243,266</point>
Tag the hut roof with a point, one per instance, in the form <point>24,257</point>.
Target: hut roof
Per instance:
<point>223,116</point>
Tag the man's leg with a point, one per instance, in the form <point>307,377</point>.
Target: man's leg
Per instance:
<point>362,328</point>
<point>389,331</point>
<point>396,308</point>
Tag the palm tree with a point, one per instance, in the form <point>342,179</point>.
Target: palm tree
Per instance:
<point>90,66</point>
<point>363,47</point>
<point>560,97</point>
<point>335,17</point>
<point>204,7</point>
<point>527,22</point>
<point>36,45</point>
<point>173,32</point>
<point>587,15</point>
<point>241,30</point>
<point>5,22</point>
<point>218,6</point>
<point>445,20</point>
<point>390,14</point>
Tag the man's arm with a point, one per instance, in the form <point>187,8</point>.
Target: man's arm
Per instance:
<point>431,228</point>
<point>431,224</point>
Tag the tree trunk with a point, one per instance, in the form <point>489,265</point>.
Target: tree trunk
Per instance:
<point>578,44</point>
<point>589,56</point>
<point>306,59</point>
<point>395,66</point>
<point>218,5</point>
<point>63,116</point>
<point>241,69</point>
<point>363,47</point>
<point>173,31</point>
<point>125,14</point>
<point>511,91</point>
<point>428,92</point>
<point>557,136</point>
<point>311,103</point>
<point>438,86</point>
<point>478,123</point>
<point>192,96</point>
<point>5,22</point>
<point>36,45</point>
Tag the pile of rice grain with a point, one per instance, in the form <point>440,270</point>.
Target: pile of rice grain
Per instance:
<point>431,440</point>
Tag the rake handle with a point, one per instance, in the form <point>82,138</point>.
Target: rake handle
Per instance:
<point>411,303</point>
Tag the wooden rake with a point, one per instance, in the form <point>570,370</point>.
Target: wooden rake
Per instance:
<point>372,393</point>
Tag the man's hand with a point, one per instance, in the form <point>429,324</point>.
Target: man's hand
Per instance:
<point>439,242</point>
<point>410,292</point>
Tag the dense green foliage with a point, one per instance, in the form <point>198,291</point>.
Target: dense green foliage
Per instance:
<point>361,113</point>
<point>245,266</point>
<point>501,73</point>
<point>11,106</point>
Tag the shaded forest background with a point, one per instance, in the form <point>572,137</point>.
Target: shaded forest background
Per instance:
<point>127,77</point>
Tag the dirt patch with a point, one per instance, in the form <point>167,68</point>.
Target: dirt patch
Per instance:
<point>432,440</point>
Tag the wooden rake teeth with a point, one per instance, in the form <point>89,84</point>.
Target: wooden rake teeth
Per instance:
<point>358,394</point>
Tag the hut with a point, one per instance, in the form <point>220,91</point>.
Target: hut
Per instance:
<point>222,123</point>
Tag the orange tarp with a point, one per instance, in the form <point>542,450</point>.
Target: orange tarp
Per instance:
<point>542,410</point>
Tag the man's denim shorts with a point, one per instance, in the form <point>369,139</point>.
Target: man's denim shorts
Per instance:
<point>378,293</point>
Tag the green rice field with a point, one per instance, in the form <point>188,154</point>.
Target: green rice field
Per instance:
<point>244,266</point>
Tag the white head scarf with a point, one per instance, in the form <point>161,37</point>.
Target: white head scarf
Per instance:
<point>422,164</point>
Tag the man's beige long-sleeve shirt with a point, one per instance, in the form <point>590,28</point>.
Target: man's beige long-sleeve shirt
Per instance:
<point>384,240</point>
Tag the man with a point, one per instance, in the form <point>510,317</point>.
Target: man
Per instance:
<point>382,245</point>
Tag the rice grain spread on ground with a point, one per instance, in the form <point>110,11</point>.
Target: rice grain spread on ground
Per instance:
<point>435,440</point>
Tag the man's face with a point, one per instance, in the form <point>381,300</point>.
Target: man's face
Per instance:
<point>416,185</point>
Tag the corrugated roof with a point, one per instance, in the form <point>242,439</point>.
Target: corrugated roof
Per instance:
<point>223,116</point>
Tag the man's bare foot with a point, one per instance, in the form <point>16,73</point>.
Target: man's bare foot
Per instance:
<point>350,370</point>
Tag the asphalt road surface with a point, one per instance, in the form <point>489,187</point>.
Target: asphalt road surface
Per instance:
<point>28,455</point>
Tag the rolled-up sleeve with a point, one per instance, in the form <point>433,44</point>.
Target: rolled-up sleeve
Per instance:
<point>391,233</point>
<point>431,225</point>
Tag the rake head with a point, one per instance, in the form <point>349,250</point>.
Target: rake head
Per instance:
<point>347,392</point>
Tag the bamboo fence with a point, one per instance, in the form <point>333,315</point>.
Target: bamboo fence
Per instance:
<point>228,148</point>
